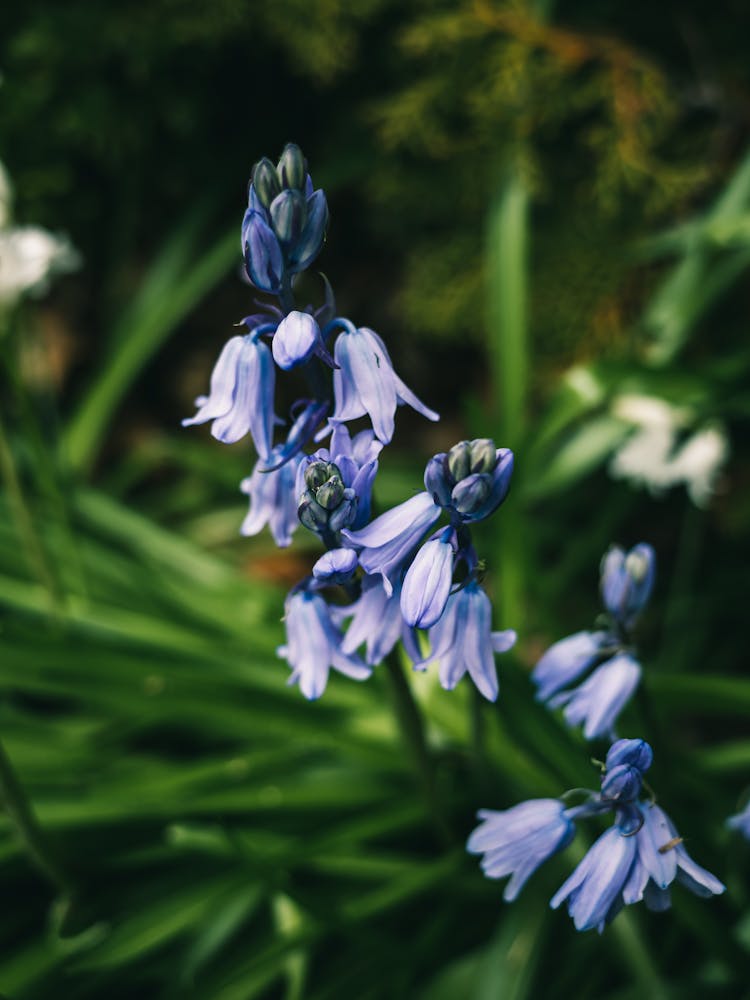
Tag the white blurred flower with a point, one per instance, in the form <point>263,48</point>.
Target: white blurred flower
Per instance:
<point>652,457</point>
<point>29,255</point>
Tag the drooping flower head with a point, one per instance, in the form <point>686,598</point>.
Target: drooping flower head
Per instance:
<point>313,645</point>
<point>365,382</point>
<point>517,841</point>
<point>462,641</point>
<point>637,858</point>
<point>272,499</point>
<point>603,658</point>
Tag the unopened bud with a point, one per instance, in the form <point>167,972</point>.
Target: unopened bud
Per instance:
<point>459,460</point>
<point>345,513</point>
<point>316,474</point>
<point>483,455</point>
<point>291,167</point>
<point>636,753</point>
<point>265,181</point>
<point>436,480</point>
<point>470,493</point>
<point>310,513</point>
<point>622,783</point>
<point>288,214</point>
<point>331,493</point>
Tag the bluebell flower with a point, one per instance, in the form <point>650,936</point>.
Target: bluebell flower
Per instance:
<point>463,642</point>
<point>335,566</point>
<point>272,501</point>
<point>566,660</point>
<point>376,622</point>
<point>314,645</point>
<point>428,580</point>
<point>741,822</point>
<point>661,858</point>
<point>388,541</point>
<point>627,580</point>
<point>594,890</point>
<point>517,841</point>
<point>597,703</point>
<point>622,783</point>
<point>637,753</point>
<point>334,485</point>
<point>241,394</point>
<point>365,382</point>
<point>296,339</point>
<point>471,480</point>
<point>285,222</point>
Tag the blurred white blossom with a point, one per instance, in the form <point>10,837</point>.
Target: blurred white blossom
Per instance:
<point>29,255</point>
<point>666,450</point>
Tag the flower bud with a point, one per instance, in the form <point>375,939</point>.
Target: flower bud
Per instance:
<point>297,337</point>
<point>459,460</point>
<point>622,783</point>
<point>331,493</point>
<point>636,753</point>
<point>288,215</point>
<point>265,181</point>
<point>291,167</point>
<point>482,455</point>
<point>436,480</point>
<point>310,513</point>
<point>316,474</point>
<point>627,581</point>
<point>343,516</point>
<point>335,566</point>
<point>263,259</point>
<point>470,493</point>
<point>307,247</point>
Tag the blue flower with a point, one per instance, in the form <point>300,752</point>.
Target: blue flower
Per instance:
<point>471,480</point>
<point>565,661</point>
<point>594,890</point>
<point>314,645</point>
<point>463,641</point>
<point>389,540</point>
<point>627,580</point>
<point>241,395</point>
<point>272,500</point>
<point>597,703</point>
<point>661,858</point>
<point>376,622</point>
<point>334,485</point>
<point>285,222</point>
<point>365,382</point>
<point>296,339</point>
<point>335,566</point>
<point>517,841</point>
<point>428,580</point>
<point>637,753</point>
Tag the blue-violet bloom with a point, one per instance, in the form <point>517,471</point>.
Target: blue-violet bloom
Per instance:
<point>566,660</point>
<point>365,382</point>
<point>463,642</point>
<point>517,841</point>
<point>241,394</point>
<point>594,890</point>
<point>376,622</point>
<point>314,645</point>
<point>389,540</point>
<point>272,501</point>
<point>428,580</point>
<point>597,703</point>
<point>627,580</point>
<point>296,339</point>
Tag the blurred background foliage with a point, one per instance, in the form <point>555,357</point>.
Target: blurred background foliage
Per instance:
<point>545,210</point>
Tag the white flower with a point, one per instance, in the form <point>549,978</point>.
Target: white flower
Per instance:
<point>29,255</point>
<point>651,456</point>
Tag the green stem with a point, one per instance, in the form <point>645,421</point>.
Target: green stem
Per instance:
<point>412,731</point>
<point>27,826</point>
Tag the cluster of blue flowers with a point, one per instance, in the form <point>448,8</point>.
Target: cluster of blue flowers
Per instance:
<point>606,655</point>
<point>396,577</point>
<point>382,578</point>
<point>638,858</point>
